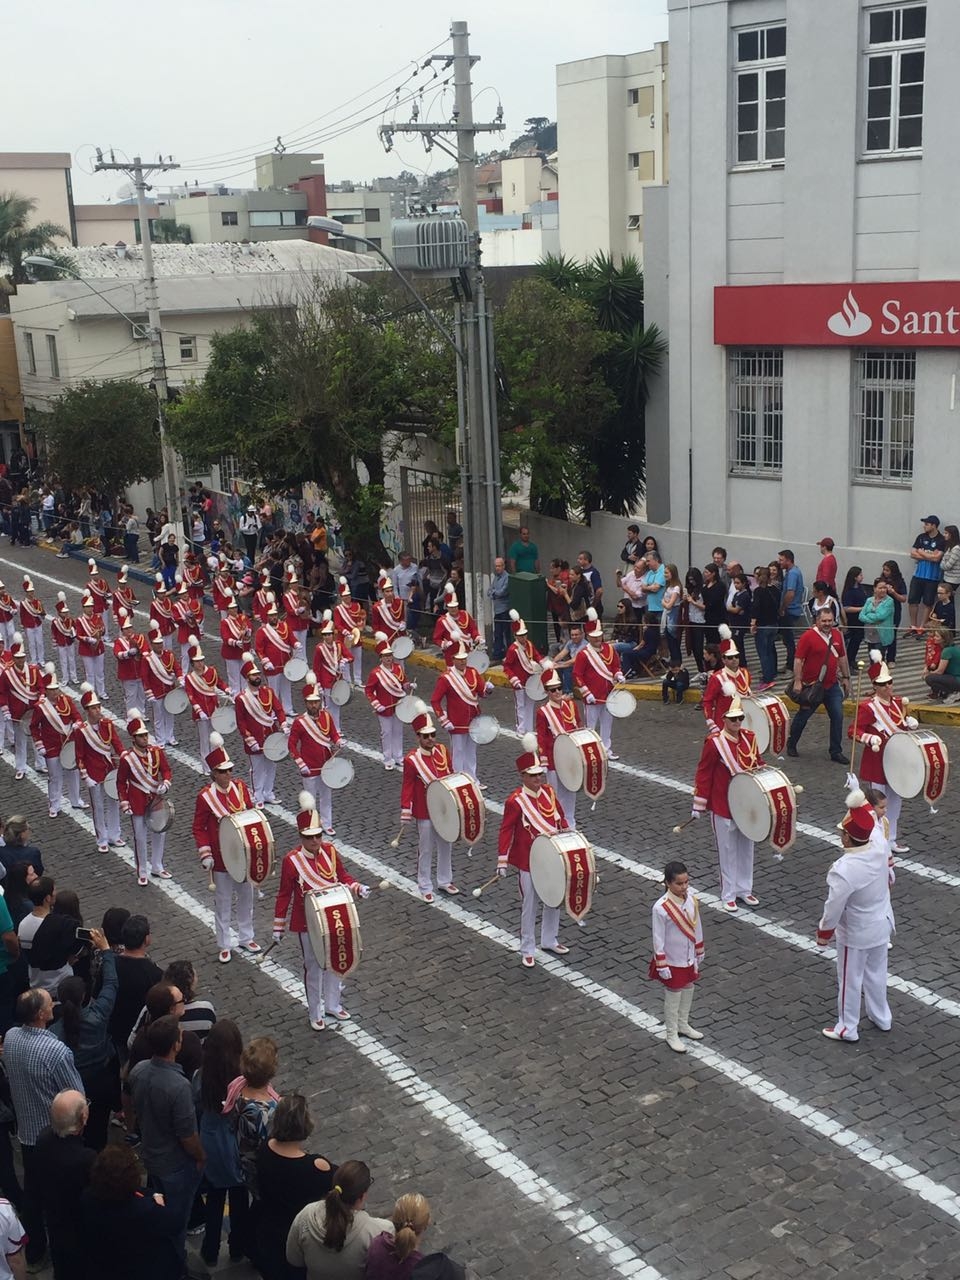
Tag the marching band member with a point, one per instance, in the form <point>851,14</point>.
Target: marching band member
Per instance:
<point>161,611</point>
<point>596,669</point>
<point>180,614</point>
<point>314,739</point>
<point>98,753</point>
<point>193,578</point>
<point>161,674</point>
<point>677,952</point>
<point>461,687</point>
<point>312,866</point>
<point>224,795</point>
<point>275,644</point>
<point>143,776</point>
<point>32,614</point>
<point>428,761</point>
<point>259,714</point>
<point>295,604</point>
<point>204,685</point>
<point>858,914</point>
<point>64,632</point>
<point>21,687</point>
<point>733,750</point>
<point>455,625</point>
<point>123,596</point>
<point>331,662</point>
<point>261,598</point>
<point>389,613</point>
<point>878,719</point>
<point>52,724</point>
<point>98,587</point>
<point>521,662</point>
<point>223,585</point>
<point>235,638</point>
<point>386,685</point>
<point>8,617</point>
<point>89,629</point>
<point>555,716</point>
<point>531,810</point>
<point>350,618</point>
<point>731,681</point>
<point>131,651</point>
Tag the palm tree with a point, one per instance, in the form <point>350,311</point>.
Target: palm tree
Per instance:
<point>18,240</point>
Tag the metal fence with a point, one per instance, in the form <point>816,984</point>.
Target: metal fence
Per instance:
<point>426,495</point>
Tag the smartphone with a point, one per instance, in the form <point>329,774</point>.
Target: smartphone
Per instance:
<point>84,935</point>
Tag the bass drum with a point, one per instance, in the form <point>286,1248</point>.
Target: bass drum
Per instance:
<point>580,762</point>
<point>916,760</point>
<point>407,711</point>
<point>534,689</point>
<point>767,719</point>
<point>564,871</point>
<point>246,846</point>
<point>763,805</point>
<point>333,928</point>
<point>456,809</point>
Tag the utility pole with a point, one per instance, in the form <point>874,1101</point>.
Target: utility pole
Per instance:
<point>479,458</point>
<point>138,173</point>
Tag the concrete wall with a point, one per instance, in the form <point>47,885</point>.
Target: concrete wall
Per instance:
<point>108,224</point>
<point>203,215</point>
<point>521,248</point>
<point>45,178</point>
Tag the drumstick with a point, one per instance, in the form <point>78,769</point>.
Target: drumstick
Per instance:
<point>263,954</point>
<point>395,842</point>
<point>680,827</point>
<point>211,886</point>
<point>486,885</point>
<point>853,752</point>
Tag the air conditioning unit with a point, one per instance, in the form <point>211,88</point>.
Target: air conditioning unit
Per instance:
<point>140,332</point>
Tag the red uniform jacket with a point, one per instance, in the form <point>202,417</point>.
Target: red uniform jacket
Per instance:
<point>98,749</point>
<point>297,611</point>
<point>222,583</point>
<point>20,690</point>
<point>236,637</point>
<point>462,691</point>
<point>526,816</point>
<point>53,719</point>
<point>261,604</point>
<point>99,588</point>
<point>161,613</point>
<point>202,690</point>
<point>419,770</point>
<point>327,661</point>
<point>64,630</point>
<point>883,720</point>
<point>348,618</point>
<point>8,606</point>
<point>390,618</point>
<point>90,635</point>
<point>301,874</point>
<point>141,778</point>
<point>193,577</point>
<point>552,721</point>
<point>312,740</point>
<point>160,673</point>
<point>259,714</point>
<point>720,759</point>
<point>189,620</point>
<point>123,598</point>
<point>454,625</point>
<point>595,670</point>
<point>274,644</point>
<point>131,653</point>
<point>522,662</point>
<point>719,693</point>
<point>213,803</point>
<point>32,613</point>
<point>385,687</point>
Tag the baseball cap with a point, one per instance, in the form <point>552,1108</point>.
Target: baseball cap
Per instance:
<point>930,520</point>
<point>826,542</point>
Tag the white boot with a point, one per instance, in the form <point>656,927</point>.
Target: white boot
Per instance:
<point>683,1024</point>
<point>671,1012</point>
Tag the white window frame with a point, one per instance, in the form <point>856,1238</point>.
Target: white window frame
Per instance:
<point>761,67</point>
<point>633,97</point>
<point>31,351</point>
<point>53,356</point>
<point>188,349</point>
<point>757,394</point>
<point>633,159</point>
<point>894,49</point>
<point>884,427</point>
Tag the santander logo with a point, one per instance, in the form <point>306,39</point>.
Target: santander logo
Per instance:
<point>849,321</point>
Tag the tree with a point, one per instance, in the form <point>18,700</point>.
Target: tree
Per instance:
<point>169,231</point>
<point>18,239</point>
<point>103,434</point>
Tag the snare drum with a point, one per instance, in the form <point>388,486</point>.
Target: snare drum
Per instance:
<point>768,720</point>
<point>276,747</point>
<point>455,806</point>
<point>406,711</point>
<point>916,760</point>
<point>68,754</point>
<point>621,703</point>
<point>334,929</point>
<point>337,773</point>
<point>402,647</point>
<point>295,669</point>
<point>110,785</point>
<point>224,720</point>
<point>246,846</point>
<point>580,761</point>
<point>763,804</point>
<point>534,688</point>
<point>484,729</point>
<point>176,702</point>
<point>339,694</point>
<point>479,659</point>
<point>564,871</point>
<point>161,814</point>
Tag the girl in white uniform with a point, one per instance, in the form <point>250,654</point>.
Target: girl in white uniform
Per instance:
<point>677,953</point>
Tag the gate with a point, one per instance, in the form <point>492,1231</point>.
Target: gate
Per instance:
<point>426,495</point>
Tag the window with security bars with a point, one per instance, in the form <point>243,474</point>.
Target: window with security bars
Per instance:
<point>895,64</point>
<point>884,407</point>
<point>760,82</point>
<point>756,411</point>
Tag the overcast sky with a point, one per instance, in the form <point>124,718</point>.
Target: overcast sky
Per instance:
<point>214,81</point>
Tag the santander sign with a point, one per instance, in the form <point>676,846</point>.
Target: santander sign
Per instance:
<point>913,313</point>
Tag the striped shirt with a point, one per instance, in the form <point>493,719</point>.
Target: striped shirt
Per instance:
<point>38,1066</point>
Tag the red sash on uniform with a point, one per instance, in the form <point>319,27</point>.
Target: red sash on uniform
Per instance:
<point>145,774</point>
<point>562,719</point>
<point>312,728</point>
<point>533,816</point>
<point>686,925</point>
<point>596,661</point>
<point>460,686</point>
<point>159,669</point>
<point>251,700</point>
<point>223,802</point>
<point>529,663</point>
<point>53,716</point>
<point>887,716</point>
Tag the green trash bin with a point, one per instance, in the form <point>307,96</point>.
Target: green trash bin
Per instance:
<point>528,595</point>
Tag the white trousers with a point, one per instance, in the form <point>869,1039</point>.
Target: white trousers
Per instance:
<point>203,736</point>
<point>567,799</point>
<point>134,697</point>
<point>358,666</point>
<point>106,814</point>
<point>162,723</point>
<point>21,736</point>
<point>430,845</point>
<point>106,623</point>
<point>56,776</point>
<point>170,641</point>
<point>35,648</point>
<point>233,676</point>
<point>391,739</point>
<point>861,971</point>
<point>93,671</point>
<point>324,990</point>
<point>144,838</point>
<point>184,658</point>
<point>549,921</point>
<point>323,796</point>
<point>894,808</point>
<point>263,777</point>
<point>526,710</point>
<point>226,893</point>
<point>600,720</point>
<point>463,751</point>
<point>736,859</point>
<point>67,657</point>
<point>7,630</point>
<point>331,706</point>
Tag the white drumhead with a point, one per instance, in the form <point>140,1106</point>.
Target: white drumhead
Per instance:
<point>484,729</point>
<point>276,748</point>
<point>443,810</point>
<point>548,871</point>
<point>757,721</point>
<point>161,815</point>
<point>176,701</point>
<point>534,688</point>
<point>340,693</point>
<point>621,703</point>
<point>406,711</point>
<point>479,660</point>
<point>233,850</point>
<point>337,773</point>
<point>904,764</point>
<point>295,669</point>
<point>402,647</point>
<point>110,785</point>
<point>68,755</point>
<point>750,806</point>
<point>568,761</point>
<point>224,720</point>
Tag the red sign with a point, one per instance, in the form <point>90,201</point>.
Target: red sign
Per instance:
<point>915,313</point>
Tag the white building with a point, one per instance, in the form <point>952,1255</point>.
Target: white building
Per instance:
<point>805,264</point>
<point>612,142</point>
<point>363,212</point>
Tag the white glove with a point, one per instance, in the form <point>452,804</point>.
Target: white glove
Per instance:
<point>203,715</point>
<point>666,973</point>
<point>163,788</point>
<point>278,935</point>
<point>207,863</point>
<point>874,741</point>
<point>619,677</point>
<point>363,891</point>
<point>305,771</point>
<point>501,870</point>
<point>696,813</point>
<point>910,722</point>
<point>591,699</point>
<point>126,808</point>
<point>488,687</point>
<point>40,750</point>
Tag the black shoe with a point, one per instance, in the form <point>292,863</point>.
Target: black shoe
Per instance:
<point>665,695</point>
<point>678,698</point>
<point>792,751</point>
<point>840,759</point>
